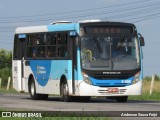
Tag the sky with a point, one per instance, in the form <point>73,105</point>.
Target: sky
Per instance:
<point>145,14</point>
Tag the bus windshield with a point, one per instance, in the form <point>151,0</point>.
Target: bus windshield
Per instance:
<point>110,53</point>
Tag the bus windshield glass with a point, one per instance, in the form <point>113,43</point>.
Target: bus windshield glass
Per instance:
<point>110,53</point>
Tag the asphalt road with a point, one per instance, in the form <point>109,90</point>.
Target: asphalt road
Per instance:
<point>24,102</point>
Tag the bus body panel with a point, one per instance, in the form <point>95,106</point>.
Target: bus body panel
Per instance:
<point>17,82</point>
<point>28,72</point>
<point>59,68</point>
<point>65,27</point>
<point>90,90</point>
<point>49,28</point>
<point>47,75</point>
<point>78,72</point>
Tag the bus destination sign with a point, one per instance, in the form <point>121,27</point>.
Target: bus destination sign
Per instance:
<point>108,30</point>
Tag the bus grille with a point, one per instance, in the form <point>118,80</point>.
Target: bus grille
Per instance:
<point>105,77</point>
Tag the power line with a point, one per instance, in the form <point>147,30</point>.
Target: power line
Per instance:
<point>83,10</point>
<point>7,29</point>
<point>86,15</point>
<point>5,43</point>
<point>6,36</point>
<point>137,12</point>
<point>148,18</point>
<point>11,30</point>
<point>153,43</point>
<point>141,17</point>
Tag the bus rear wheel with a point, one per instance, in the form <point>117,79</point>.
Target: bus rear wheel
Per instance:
<point>44,96</point>
<point>32,90</point>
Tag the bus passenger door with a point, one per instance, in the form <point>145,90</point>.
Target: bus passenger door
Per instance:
<point>18,63</point>
<point>74,48</point>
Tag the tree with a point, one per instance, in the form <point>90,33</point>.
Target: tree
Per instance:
<point>5,59</point>
<point>5,65</point>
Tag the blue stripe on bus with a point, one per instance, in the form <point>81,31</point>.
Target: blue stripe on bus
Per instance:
<point>41,70</point>
<point>98,82</point>
<point>77,73</point>
<point>45,70</point>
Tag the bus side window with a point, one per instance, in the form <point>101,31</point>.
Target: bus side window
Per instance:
<point>51,45</point>
<point>31,46</point>
<point>32,41</point>
<point>61,45</point>
<point>58,52</point>
<point>51,51</point>
<point>63,51</point>
<point>58,39</point>
<point>41,42</point>
<point>16,44</point>
<point>41,39</point>
<point>51,39</point>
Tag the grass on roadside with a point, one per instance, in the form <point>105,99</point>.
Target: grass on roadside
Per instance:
<point>5,91</point>
<point>155,96</point>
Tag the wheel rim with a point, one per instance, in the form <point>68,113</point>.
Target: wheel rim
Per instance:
<point>65,90</point>
<point>32,89</point>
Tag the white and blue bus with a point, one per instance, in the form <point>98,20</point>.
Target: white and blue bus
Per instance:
<point>83,59</point>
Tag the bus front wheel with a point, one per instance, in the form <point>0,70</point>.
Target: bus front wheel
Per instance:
<point>122,99</point>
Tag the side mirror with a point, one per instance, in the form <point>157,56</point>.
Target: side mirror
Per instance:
<point>142,43</point>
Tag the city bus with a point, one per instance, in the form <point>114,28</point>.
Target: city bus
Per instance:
<point>78,60</point>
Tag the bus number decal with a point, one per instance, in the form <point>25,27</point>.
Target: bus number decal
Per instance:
<point>126,81</point>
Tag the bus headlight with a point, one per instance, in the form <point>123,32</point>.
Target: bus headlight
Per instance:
<point>86,79</point>
<point>136,78</point>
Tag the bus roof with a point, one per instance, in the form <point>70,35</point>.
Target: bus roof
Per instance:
<point>48,28</point>
<point>64,27</point>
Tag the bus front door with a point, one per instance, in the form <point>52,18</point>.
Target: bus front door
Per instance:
<point>18,65</point>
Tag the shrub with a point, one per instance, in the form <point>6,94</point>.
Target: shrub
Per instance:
<point>4,74</point>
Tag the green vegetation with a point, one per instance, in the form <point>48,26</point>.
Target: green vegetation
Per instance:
<point>5,91</point>
<point>4,74</point>
<point>5,59</point>
<point>155,96</point>
<point>5,66</point>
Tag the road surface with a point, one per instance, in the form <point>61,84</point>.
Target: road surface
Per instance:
<point>24,102</point>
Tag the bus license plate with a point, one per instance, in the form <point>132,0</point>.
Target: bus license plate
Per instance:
<point>113,90</point>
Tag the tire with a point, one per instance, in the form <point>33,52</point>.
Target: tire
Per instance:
<point>32,90</point>
<point>44,96</point>
<point>84,98</point>
<point>64,90</point>
<point>122,99</point>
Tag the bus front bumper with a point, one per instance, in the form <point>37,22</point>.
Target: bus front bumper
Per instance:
<point>90,90</point>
